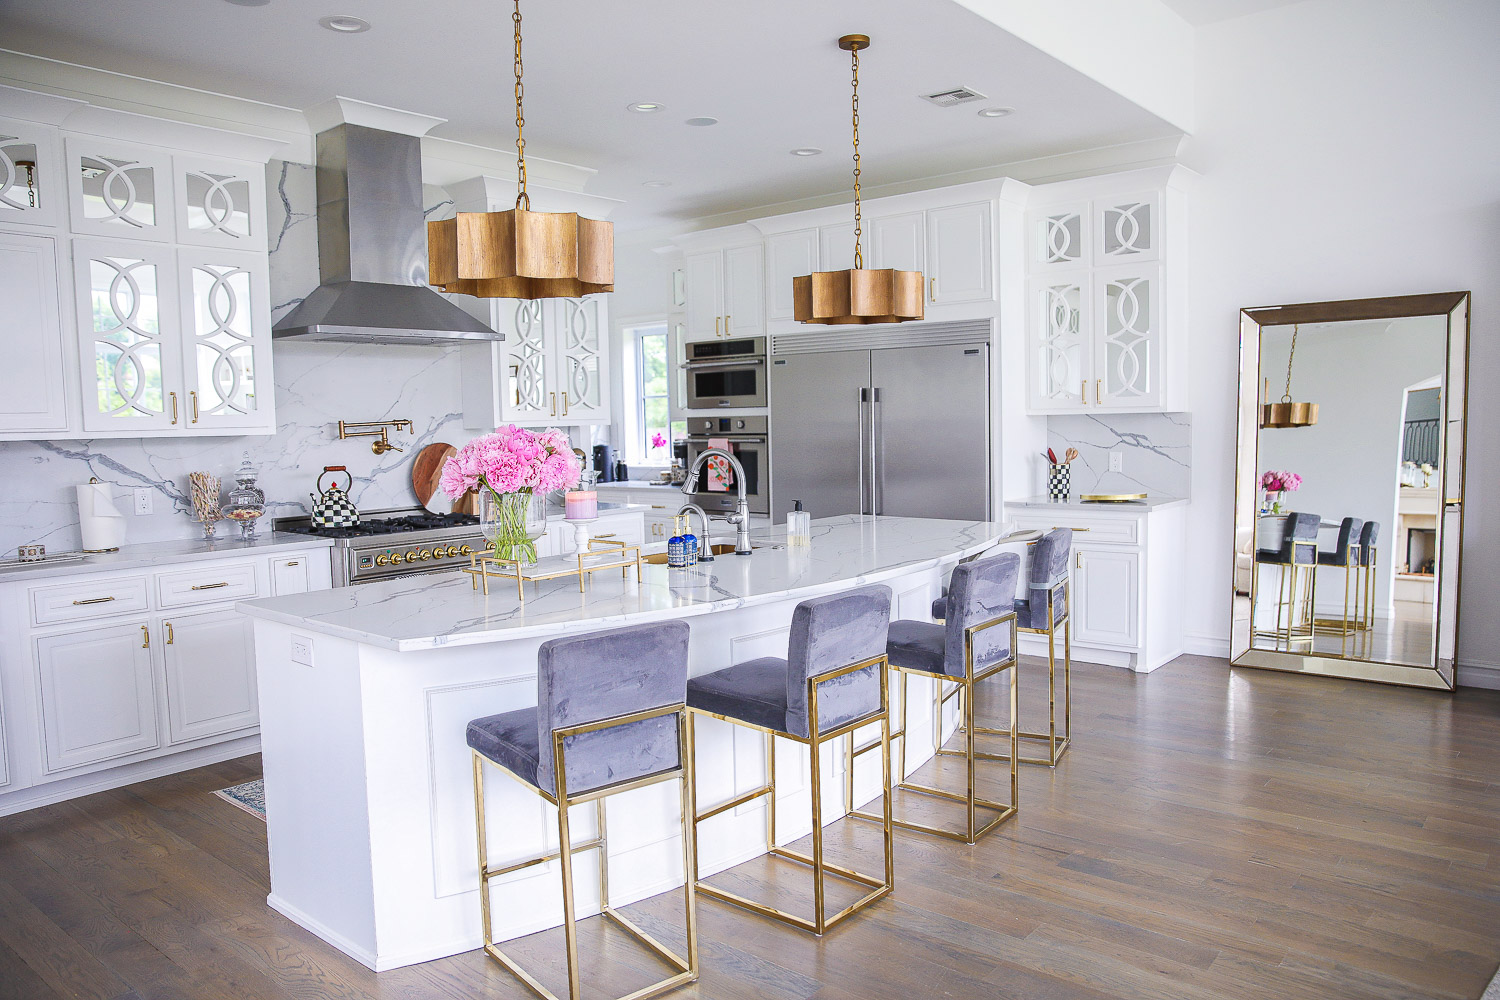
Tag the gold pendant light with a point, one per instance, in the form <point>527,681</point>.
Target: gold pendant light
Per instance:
<point>1287,413</point>
<point>521,254</point>
<point>857,295</point>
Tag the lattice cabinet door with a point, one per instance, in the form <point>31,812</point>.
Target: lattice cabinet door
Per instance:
<point>31,175</point>
<point>118,190</point>
<point>1061,346</point>
<point>220,203</point>
<point>582,359</point>
<point>1059,237</point>
<point>226,341</point>
<point>1128,336</point>
<point>529,378</point>
<point>129,353</point>
<point>1127,230</point>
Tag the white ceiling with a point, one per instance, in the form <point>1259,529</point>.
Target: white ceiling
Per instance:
<point>769,71</point>
<point>1200,12</point>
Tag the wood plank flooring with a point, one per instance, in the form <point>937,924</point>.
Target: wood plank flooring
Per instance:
<point>1212,834</point>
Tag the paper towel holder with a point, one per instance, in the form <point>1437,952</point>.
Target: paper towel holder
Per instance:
<point>94,480</point>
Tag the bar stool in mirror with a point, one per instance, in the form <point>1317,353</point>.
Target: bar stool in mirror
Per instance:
<point>1369,552</point>
<point>975,642</point>
<point>1296,557</point>
<point>1345,556</point>
<point>833,681</point>
<point>1042,611</point>
<point>610,717</point>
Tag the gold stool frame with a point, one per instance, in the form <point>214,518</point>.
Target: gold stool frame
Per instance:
<point>687,969</point>
<point>879,888</point>
<point>1299,633</point>
<point>965,685</point>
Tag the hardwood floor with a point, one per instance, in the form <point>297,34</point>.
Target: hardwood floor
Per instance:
<point>1212,834</point>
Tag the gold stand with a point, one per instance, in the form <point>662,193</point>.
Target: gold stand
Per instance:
<point>608,554</point>
<point>964,688</point>
<point>821,920</point>
<point>687,969</point>
<point>1290,632</point>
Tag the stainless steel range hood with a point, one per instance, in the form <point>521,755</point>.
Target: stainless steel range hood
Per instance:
<point>372,249</point>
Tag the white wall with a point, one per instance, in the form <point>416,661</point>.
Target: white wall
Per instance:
<point>1348,148</point>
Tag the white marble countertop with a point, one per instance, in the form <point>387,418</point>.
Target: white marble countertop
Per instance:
<point>436,610</point>
<point>1152,502</point>
<point>148,555</point>
<point>635,484</point>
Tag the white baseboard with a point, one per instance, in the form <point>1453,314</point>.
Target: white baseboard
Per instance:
<point>1479,675</point>
<point>361,955</point>
<point>1205,644</point>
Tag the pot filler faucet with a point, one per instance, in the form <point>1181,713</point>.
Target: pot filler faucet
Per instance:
<point>741,516</point>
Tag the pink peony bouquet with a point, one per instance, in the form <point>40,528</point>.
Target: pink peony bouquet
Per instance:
<point>1280,482</point>
<point>512,460</point>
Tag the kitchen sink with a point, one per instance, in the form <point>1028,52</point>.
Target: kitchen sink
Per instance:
<point>718,549</point>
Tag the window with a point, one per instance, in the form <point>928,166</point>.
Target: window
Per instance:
<point>648,430</point>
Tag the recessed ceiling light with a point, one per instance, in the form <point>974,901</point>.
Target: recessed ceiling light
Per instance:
<point>248,3</point>
<point>806,151</point>
<point>703,122</point>
<point>656,184</point>
<point>997,112</point>
<point>645,107</point>
<point>346,23</point>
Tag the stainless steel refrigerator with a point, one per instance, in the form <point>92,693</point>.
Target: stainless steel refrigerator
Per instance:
<point>900,431</point>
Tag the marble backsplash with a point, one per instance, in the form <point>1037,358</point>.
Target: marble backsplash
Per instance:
<point>1156,452</point>
<point>316,385</point>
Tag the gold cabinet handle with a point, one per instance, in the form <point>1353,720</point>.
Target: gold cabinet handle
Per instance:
<point>932,289</point>
<point>1083,392</point>
<point>94,600</point>
<point>1078,563</point>
<point>210,586</point>
<point>1098,390</point>
<point>293,562</point>
<point>171,636</point>
<point>565,404</point>
<point>145,638</point>
<point>717,321</point>
<point>554,404</point>
<point>1056,526</point>
<point>193,396</point>
<point>174,407</point>
<point>726,324</point>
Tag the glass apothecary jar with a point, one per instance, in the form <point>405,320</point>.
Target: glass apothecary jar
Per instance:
<point>247,502</point>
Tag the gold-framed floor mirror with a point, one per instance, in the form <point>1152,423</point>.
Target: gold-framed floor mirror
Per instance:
<point>1349,488</point>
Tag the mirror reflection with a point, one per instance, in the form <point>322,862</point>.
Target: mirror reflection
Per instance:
<point>1339,552</point>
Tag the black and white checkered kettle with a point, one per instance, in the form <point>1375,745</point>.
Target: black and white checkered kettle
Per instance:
<point>332,507</point>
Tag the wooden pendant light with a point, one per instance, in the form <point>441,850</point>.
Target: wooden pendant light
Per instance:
<point>857,295</point>
<point>521,254</point>
<point>1287,413</point>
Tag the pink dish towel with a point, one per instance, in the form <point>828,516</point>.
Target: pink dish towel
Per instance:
<point>720,472</point>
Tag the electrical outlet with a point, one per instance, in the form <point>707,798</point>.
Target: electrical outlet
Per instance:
<point>1116,461</point>
<point>144,502</point>
<point>302,649</point>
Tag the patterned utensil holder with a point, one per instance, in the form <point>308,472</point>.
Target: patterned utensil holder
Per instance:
<point>1059,482</point>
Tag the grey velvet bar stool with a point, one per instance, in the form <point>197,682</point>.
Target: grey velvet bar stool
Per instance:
<point>1369,539</point>
<point>610,717</point>
<point>1344,555</point>
<point>1043,611</point>
<point>833,681</point>
<point>1298,553</point>
<point>981,598</point>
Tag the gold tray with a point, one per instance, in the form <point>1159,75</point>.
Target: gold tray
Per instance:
<point>602,553</point>
<point>1110,497</point>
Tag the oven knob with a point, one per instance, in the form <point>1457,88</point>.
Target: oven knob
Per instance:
<point>424,555</point>
<point>464,550</point>
<point>397,559</point>
<point>382,560</point>
<point>451,551</point>
<point>411,555</point>
<point>438,553</point>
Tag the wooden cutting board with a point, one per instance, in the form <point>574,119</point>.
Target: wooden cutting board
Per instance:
<point>427,469</point>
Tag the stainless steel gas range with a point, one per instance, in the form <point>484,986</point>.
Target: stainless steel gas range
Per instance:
<point>391,543</point>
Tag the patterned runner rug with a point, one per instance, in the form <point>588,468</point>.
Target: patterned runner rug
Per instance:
<point>251,797</point>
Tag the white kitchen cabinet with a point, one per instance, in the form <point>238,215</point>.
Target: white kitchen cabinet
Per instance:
<point>899,241</point>
<point>552,367</point>
<point>1106,595</point>
<point>32,195</point>
<point>208,661</point>
<point>219,203</point>
<point>225,341</point>
<point>33,390</point>
<point>293,574</point>
<point>725,293</point>
<point>96,690</point>
<point>1106,321</point>
<point>788,256</point>
<point>836,246</point>
<point>119,190</point>
<point>960,254</point>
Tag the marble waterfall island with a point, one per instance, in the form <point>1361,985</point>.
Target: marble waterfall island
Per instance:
<point>365,693</point>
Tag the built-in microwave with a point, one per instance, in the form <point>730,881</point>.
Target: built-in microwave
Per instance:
<point>725,373</point>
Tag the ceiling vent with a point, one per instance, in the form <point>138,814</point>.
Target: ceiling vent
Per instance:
<point>949,98</point>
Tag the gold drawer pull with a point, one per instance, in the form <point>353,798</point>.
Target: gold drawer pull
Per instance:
<point>209,586</point>
<point>145,638</point>
<point>95,600</point>
<point>1056,526</point>
<point>293,562</point>
<point>171,636</point>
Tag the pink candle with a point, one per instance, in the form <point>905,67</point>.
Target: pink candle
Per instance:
<point>581,505</point>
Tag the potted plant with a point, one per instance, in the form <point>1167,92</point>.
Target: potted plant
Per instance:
<point>1275,484</point>
<point>513,470</point>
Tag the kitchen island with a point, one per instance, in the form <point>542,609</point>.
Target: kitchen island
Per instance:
<point>365,693</point>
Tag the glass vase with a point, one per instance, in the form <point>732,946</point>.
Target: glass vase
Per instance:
<point>512,522</point>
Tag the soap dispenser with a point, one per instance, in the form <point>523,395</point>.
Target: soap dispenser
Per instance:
<point>798,526</point>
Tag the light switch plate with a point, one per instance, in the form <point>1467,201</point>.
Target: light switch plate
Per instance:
<point>1116,461</point>
<point>302,650</point>
<point>144,503</point>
